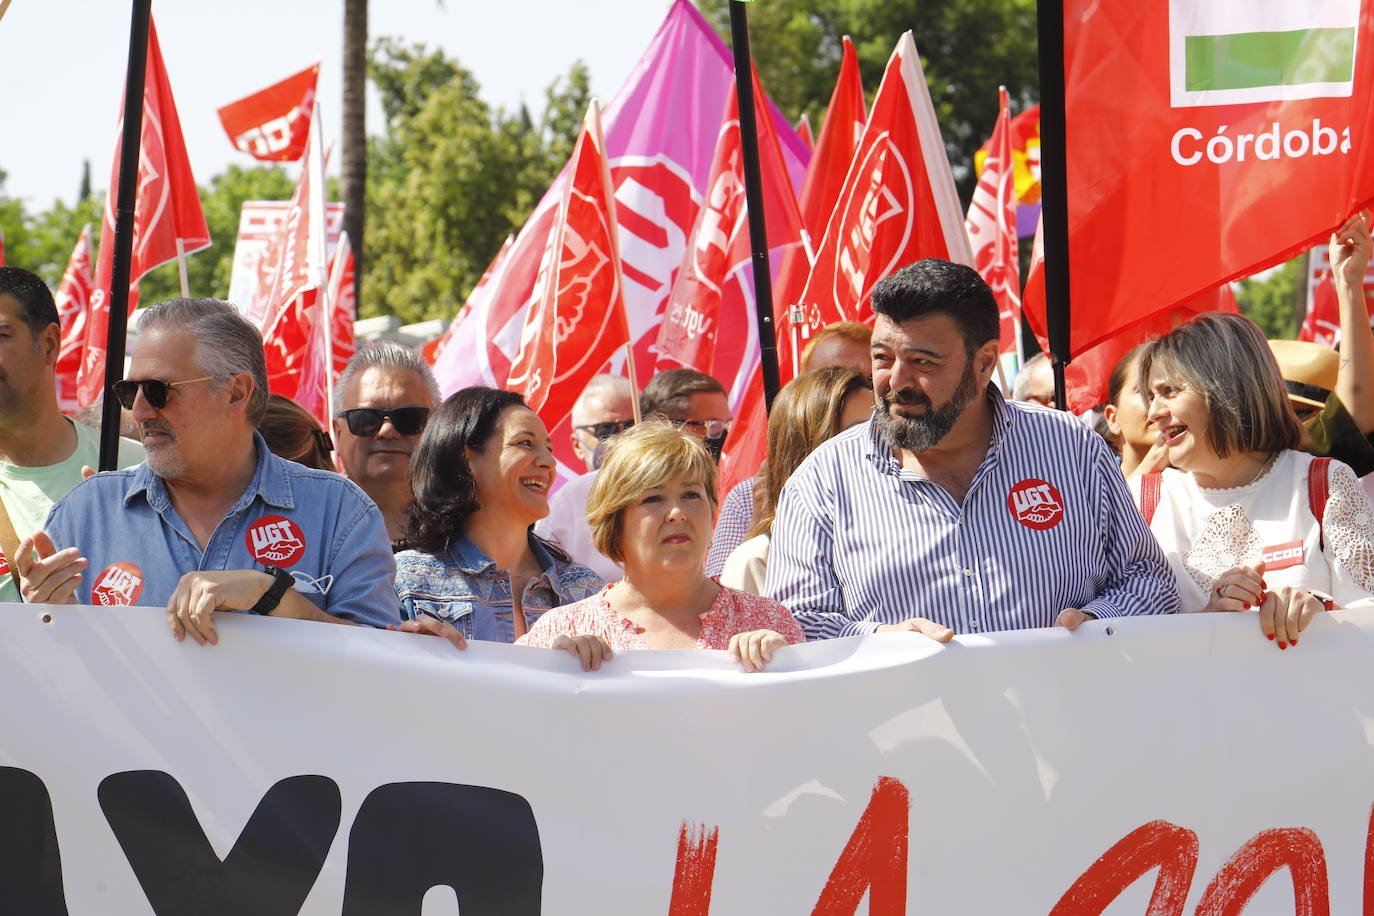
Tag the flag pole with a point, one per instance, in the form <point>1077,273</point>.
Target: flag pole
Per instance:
<point>181,267</point>
<point>116,334</point>
<point>4,6</point>
<point>634,382</point>
<point>1054,187</point>
<point>753,195</point>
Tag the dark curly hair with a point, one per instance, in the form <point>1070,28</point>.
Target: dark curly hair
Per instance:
<point>445,493</point>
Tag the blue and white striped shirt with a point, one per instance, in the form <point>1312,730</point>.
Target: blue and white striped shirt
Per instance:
<point>1047,524</point>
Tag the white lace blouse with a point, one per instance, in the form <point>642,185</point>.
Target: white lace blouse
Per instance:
<point>1206,532</point>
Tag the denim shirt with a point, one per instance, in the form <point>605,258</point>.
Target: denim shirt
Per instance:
<point>317,525</point>
<point>464,587</point>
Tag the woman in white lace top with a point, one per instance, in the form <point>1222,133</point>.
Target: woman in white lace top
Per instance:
<point>1235,513</point>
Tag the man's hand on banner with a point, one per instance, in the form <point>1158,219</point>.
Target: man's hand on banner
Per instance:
<point>433,626</point>
<point>200,594</point>
<point>1071,617</point>
<point>590,650</point>
<point>935,631</point>
<point>53,577</point>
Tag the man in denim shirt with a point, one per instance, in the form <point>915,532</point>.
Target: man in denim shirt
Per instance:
<point>212,521</point>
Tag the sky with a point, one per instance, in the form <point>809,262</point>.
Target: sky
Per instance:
<point>63,63</point>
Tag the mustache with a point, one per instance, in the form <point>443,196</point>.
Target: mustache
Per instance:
<point>160,426</point>
<point>906,396</point>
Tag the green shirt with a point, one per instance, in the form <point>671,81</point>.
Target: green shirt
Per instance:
<point>29,493</point>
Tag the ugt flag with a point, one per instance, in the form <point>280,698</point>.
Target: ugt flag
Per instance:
<point>578,318</point>
<point>73,299</point>
<point>272,125</point>
<point>167,214</point>
<point>1207,140</point>
<point>991,225</point>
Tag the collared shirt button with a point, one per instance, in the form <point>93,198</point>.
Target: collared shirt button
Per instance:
<point>967,571</point>
<point>973,624</point>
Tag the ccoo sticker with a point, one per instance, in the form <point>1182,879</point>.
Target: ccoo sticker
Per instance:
<point>117,584</point>
<point>276,540</point>
<point>1036,504</point>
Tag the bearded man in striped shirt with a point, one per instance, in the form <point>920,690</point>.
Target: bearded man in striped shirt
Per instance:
<point>954,510</point>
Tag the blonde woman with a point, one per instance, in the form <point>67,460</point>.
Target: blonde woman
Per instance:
<point>651,510</point>
<point>811,409</point>
<point>1246,520</point>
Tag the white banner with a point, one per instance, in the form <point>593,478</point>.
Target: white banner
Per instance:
<point>324,769</point>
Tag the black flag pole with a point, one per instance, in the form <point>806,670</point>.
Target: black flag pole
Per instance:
<point>124,229</point>
<point>753,195</point>
<point>1054,199</point>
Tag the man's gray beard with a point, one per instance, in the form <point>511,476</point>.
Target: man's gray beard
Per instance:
<point>917,434</point>
<point>165,461</point>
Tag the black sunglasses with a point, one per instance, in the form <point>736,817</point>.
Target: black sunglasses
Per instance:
<point>155,390</point>
<point>607,429</point>
<point>366,422</point>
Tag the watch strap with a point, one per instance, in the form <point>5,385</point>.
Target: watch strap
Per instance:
<point>281,581</point>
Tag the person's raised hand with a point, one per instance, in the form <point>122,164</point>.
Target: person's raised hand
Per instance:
<point>755,648</point>
<point>53,577</point>
<point>936,631</point>
<point>591,651</point>
<point>1349,250</point>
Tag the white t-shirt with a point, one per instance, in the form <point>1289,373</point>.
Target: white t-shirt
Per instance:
<point>1206,532</point>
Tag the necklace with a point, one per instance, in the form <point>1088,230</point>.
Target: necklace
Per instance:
<point>1262,468</point>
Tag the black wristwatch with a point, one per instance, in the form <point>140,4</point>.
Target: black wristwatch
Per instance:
<point>281,581</point>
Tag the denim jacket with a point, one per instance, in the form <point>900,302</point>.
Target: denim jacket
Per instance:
<point>464,587</point>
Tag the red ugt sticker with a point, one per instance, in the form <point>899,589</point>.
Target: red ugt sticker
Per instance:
<point>117,584</point>
<point>1036,504</point>
<point>276,540</point>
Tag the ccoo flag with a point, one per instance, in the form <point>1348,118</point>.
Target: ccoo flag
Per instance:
<point>1206,140</point>
<point>167,214</point>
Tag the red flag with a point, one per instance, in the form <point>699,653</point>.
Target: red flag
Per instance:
<point>1085,379</point>
<point>840,134</point>
<point>272,125</point>
<point>713,278</point>
<point>1025,155</point>
<point>293,279</point>
<point>73,298</point>
<point>1207,141</point>
<point>167,214</point>
<point>1322,323</point>
<point>578,320</point>
<point>747,443</point>
<point>431,350</point>
<point>343,296</point>
<point>804,131</point>
<point>991,225</point>
<point>898,204</point>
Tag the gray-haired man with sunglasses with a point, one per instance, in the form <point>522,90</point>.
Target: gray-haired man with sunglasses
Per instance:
<point>212,521</point>
<point>381,405</point>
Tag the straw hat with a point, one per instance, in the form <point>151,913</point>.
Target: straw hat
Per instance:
<point>1309,370</point>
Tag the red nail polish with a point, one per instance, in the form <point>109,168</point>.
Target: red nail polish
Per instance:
<point>1295,640</point>
<point>1283,645</point>
<point>1264,584</point>
<point>1247,607</point>
<point>1271,636</point>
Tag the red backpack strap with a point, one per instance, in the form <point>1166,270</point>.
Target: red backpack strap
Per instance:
<point>1149,494</point>
<point>1318,492</point>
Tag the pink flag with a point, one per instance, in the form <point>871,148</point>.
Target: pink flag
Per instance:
<point>710,287</point>
<point>660,135</point>
<point>73,299</point>
<point>343,296</point>
<point>167,214</point>
<point>578,320</point>
<point>991,225</point>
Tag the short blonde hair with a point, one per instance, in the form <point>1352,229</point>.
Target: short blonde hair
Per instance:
<point>853,331</point>
<point>643,457</point>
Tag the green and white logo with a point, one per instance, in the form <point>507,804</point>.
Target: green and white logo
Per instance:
<point>1226,52</point>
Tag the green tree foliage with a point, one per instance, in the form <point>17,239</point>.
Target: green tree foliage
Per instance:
<point>208,270</point>
<point>968,48</point>
<point>1277,302</point>
<point>451,178</point>
<point>42,242</point>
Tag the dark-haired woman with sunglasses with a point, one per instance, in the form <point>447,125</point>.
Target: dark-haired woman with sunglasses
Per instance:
<point>473,567</point>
